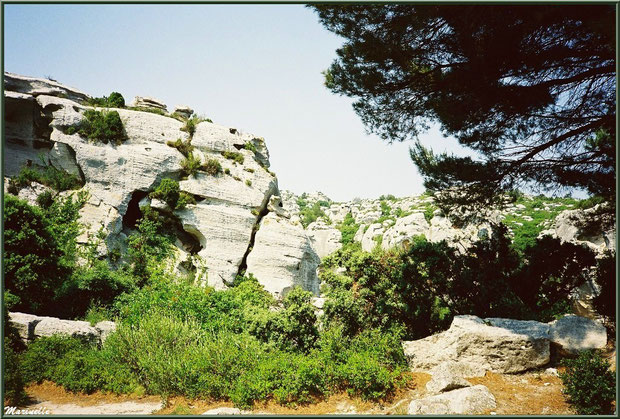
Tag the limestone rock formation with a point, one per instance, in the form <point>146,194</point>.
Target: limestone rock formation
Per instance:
<point>465,401</point>
<point>283,256</point>
<point>31,327</point>
<point>572,334</point>
<point>216,234</point>
<point>498,345</point>
<point>183,110</point>
<point>325,238</point>
<point>148,103</point>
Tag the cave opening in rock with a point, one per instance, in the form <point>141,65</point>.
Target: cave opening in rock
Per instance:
<point>133,213</point>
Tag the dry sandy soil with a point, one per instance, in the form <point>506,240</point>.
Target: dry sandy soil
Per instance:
<point>531,393</point>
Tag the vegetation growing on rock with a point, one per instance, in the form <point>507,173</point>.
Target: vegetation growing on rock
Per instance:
<point>100,126</point>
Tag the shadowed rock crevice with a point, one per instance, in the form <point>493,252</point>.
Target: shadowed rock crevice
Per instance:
<point>243,266</point>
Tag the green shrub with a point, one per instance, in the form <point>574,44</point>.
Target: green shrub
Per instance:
<point>184,147</point>
<point>150,244</point>
<point>33,256</point>
<point>348,228</point>
<point>14,393</point>
<point>234,156</point>
<point>311,214</point>
<point>167,191</point>
<point>48,176</point>
<point>190,125</point>
<point>116,100</point>
<point>190,165</point>
<point>185,199</point>
<point>589,384</point>
<point>45,199</point>
<point>227,171</point>
<point>250,146</point>
<point>212,167</point>
<point>248,182</point>
<point>101,126</point>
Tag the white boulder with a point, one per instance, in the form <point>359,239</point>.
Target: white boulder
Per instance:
<point>465,401</point>
<point>572,334</point>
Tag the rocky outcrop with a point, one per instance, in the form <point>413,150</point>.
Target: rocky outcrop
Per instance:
<point>148,103</point>
<point>325,238</point>
<point>183,110</point>
<point>498,345</point>
<point>473,400</point>
<point>572,334</point>
<point>217,233</point>
<point>283,257</point>
<point>31,327</point>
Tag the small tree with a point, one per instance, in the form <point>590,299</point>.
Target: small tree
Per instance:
<point>116,100</point>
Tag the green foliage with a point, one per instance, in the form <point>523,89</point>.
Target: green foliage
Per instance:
<point>589,384</point>
<point>184,147</point>
<point>605,302</point>
<point>190,165</point>
<point>32,257</point>
<point>311,214</point>
<point>348,228</point>
<point>389,197</point>
<point>190,125</point>
<point>590,202</point>
<point>248,182</point>
<point>185,199</point>
<point>48,176</point>
<point>234,156</point>
<point>385,209</point>
<point>507,104</point>
<point>250,146</point>
<point>100,126</point>
<point>167,191</point>
<point>115,100</point>
<point>13,383</point>
<point>150,244</point>
<point>74,365</point>
<point>212,167</point>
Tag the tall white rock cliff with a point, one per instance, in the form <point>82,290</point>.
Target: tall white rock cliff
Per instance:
<point>221,229</point>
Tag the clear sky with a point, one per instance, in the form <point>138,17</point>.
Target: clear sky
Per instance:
<point>253,67</point>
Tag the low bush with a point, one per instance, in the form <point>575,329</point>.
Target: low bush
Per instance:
<point>212,167</point>
<point>100,126</point>
<point>185,199</point>
<point>115,100</point>
<point>589,384</point>
<point>48,176</point>
<point>184,147</point>
<point>167,191</point>
<point>234,156</point>
<point>348,228</point>
<point>190,165</point>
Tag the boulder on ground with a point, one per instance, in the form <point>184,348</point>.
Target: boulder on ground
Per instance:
<point>465,401</point>
<point>459,369</point>
<point>24,324</point>
<point>572,334</point>
<point>49,326</point>
<point>498,345</point>
<point>223,411</point>
<point>445,381</point>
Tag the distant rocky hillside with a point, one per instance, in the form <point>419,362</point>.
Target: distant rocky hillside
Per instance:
<point>391,222</point>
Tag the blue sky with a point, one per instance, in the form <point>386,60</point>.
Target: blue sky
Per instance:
<point>253,67</point>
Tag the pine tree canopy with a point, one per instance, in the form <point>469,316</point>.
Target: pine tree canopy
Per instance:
<point>530,88</point>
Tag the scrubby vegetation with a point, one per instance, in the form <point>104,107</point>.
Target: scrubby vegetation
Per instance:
<point>421,288</point>
<point>234,156</point>
<point>190,165</point>
<point>310,214</point>
<point>241,344</point>
<point>100,126</point>
<point>184,147</point>
<point>115,100</point>
<point>47,175</point>
<point>589,384</point>
<point>212,167</point>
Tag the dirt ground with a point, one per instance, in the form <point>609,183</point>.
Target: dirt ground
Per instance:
<point>531,393</point>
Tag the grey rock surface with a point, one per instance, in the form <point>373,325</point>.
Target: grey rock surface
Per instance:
<point>465,401</point>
